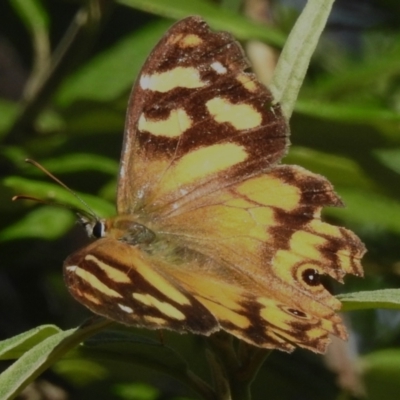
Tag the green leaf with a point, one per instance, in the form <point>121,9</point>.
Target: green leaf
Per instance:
<point>347,112</point>
<point>42,223</point>
<point>15,155</point>
<point>36,20</point>
<point>390,158</point>
<point>40,357</point>
<point>127,347</point>
<point>78,162</point>
<point>231,5</point>
<point>136,391</point>
<point>33,14</point>
<point>50,121</point>
<point>369,209</point>
<point>386,298</point>
<point>8,113</point>
<point>297,52</point>
<point>339,170</point>
<point>55,193</point>
<point>380,372</point>
<point>219,18</point>
<point>98,118</point>
<point>81,371</point>
<point>362,76</point>
<point>16,346</point>
<point>111,74</point>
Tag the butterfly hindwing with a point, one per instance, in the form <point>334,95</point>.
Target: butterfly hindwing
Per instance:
<point>263,242</point>
<point>130,289</point>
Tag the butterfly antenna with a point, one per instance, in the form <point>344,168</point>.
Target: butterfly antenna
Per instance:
<point>76,210</point>
<point>54,178</point>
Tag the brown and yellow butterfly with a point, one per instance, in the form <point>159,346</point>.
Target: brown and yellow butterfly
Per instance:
<point>211,232</point>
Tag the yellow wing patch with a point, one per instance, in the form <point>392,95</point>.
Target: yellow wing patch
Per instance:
<point>201,163</point>
<point>185,40</point>
<point>176,123</point>
<point>240,116</point>
<point>177,77</point>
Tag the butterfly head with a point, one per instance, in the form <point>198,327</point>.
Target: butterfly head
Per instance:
<point>94,227</point>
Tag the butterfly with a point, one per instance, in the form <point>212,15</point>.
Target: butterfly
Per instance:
<point>212,232</point>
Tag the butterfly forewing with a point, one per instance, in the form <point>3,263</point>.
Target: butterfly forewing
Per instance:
<point>194,117</point>
<point>211,232</point>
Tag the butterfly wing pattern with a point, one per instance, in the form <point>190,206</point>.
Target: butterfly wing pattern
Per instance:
<point>211,231</point>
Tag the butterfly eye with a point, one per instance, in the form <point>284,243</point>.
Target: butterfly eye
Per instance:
<point>98,230</point>
<point>311,277</point>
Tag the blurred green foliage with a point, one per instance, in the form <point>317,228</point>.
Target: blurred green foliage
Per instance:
<point>71,66</point>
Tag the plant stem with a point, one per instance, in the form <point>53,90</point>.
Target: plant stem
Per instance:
<point>234,368</point>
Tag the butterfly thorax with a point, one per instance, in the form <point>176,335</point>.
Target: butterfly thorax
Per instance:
<point>123,228</point>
